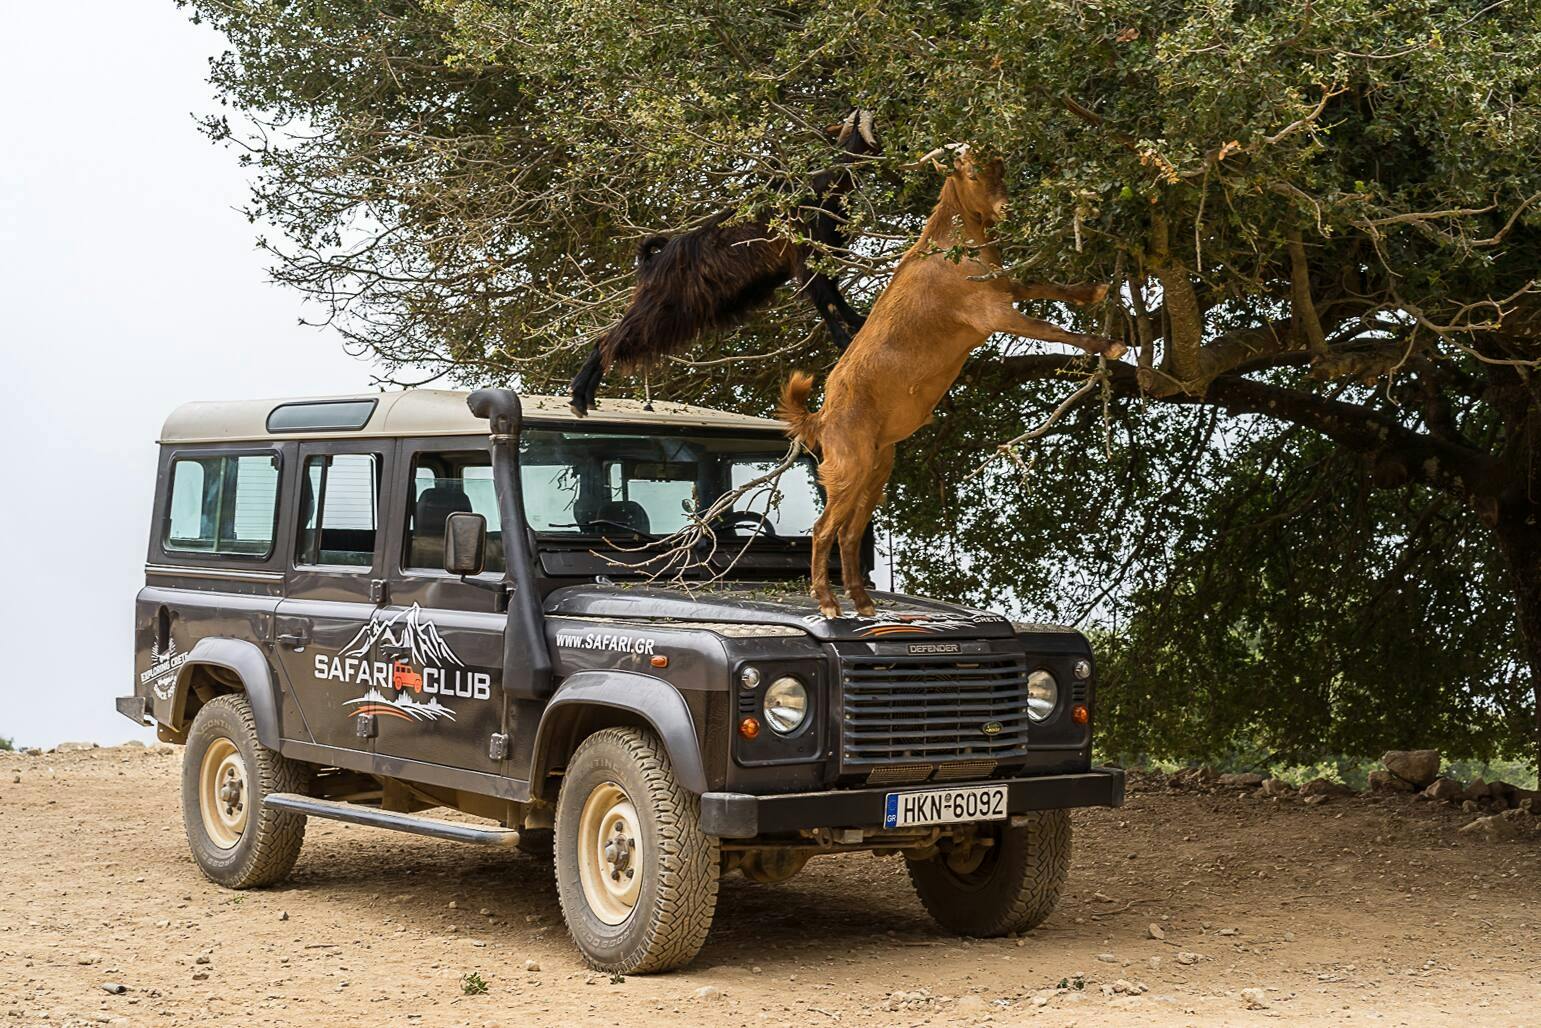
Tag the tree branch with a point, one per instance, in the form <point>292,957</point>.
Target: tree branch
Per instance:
<point>1414,456</point>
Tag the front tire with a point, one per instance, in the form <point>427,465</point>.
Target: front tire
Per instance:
<point>226,774</point>
<point>636,877</point>
<point>1012,886</point>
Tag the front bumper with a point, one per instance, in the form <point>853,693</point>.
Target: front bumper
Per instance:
<point>732,815</point>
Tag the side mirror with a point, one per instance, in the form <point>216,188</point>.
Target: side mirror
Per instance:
<point>465,544</point>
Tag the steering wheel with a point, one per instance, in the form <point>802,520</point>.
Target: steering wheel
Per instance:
<point>733,518</point>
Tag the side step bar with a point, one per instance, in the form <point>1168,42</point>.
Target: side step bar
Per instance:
<point>414,824</point>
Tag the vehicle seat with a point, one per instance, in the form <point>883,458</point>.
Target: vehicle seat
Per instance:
<point>622,512</point>
<point>433,510</point>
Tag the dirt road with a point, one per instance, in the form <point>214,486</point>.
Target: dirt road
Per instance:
<point>1357,910</point>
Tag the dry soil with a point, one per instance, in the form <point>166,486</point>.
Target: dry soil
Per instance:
<point>1180,908</point>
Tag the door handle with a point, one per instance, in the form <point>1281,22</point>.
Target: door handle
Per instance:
<point>293,632</point>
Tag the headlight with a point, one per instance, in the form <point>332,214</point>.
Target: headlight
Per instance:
<point>786,705</point>
<point>1042,695</point>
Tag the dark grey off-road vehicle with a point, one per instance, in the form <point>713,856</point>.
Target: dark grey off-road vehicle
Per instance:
<point>368,607</point>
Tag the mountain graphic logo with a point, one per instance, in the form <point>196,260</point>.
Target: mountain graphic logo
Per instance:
<point>414,641</point>
<point>407,631</point>
<point>403,706</point>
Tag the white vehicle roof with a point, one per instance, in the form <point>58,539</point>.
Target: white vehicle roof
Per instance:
<point>429,412</point>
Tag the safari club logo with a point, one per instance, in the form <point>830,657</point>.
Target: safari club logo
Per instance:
<point>427,667</point>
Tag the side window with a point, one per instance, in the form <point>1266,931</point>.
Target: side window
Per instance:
<point>223,505</point>
<point>339,510</point>
<point>445,484</point>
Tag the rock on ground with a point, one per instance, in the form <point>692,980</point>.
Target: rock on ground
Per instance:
<point>1254,999</point>
<point>1444,790</point>
<point>1242,780</point>
<point>1385,781</point>
<point>1325,787</point>
<point>1495,828</point>
<point>1416,767</point>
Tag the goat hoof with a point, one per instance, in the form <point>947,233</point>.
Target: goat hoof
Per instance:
<point>867,609</point>
<point>829,610</point>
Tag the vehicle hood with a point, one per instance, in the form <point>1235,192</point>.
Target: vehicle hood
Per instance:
<point>775,604</point>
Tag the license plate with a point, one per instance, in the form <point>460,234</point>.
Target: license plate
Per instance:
<point>945,806</point>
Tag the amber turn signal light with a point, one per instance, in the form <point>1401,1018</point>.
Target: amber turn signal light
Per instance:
<point>1079,714</point>
<point>659,660</point>
<point>749,728</point>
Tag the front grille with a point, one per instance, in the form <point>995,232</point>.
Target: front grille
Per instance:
<point>933,708</point>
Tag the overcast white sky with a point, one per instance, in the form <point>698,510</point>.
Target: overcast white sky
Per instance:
<point>129,283</point>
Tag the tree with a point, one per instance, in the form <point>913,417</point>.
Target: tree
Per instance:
<point>1321,219</point>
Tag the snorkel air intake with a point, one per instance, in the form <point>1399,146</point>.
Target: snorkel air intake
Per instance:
<point>526,660</point>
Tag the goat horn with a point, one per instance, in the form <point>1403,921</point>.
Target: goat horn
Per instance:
<point>842,131</point>
<point>864,126</point>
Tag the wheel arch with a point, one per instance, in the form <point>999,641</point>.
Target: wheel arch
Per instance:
<point>589,701</point>
<point>216,666</point>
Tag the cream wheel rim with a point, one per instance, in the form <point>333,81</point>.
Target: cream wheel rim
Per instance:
<point>610,855</point>
<point>223,794</point>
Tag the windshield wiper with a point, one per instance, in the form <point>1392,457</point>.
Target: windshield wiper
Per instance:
<point>635,532</point>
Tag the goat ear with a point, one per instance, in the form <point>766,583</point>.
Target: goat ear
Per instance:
<point>648,248</point>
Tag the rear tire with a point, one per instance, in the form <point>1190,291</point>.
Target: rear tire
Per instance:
<point>636,877</point>
<point>226,774</point>
<point>1013,888</point>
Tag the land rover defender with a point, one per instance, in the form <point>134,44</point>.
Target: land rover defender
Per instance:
<point>363,608</point>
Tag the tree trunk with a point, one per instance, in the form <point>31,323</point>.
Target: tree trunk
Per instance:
<point>1519,538</point>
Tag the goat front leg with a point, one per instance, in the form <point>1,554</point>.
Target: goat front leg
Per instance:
<point>1080,295</point>
<point>1008,319</point>
<point>585,385</point>
<point>842,321</point>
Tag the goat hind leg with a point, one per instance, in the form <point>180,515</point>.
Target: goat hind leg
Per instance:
<point>844,491</point>
<point>823,541</point>
<point>852,574</point>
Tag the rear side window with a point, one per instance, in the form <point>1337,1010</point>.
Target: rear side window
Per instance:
<point>339,510</point>
<point>223,505</point>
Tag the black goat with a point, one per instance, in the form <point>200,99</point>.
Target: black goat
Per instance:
<point>712,276</point>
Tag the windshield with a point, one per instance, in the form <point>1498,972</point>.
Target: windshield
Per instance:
<point>614,484</point>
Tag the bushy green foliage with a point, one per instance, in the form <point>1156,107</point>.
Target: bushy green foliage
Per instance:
<point>7,745</point>
<point>1310,517</point>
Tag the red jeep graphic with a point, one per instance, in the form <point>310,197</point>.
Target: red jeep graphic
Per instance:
<point>404,678</point>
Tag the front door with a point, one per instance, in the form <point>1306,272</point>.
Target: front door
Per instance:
<point>336,586</point>
<point>449,633</point>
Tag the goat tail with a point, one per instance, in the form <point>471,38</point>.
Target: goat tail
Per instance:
<point>802,424</point>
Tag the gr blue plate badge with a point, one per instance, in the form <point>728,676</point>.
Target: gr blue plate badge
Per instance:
<point>945,806</point>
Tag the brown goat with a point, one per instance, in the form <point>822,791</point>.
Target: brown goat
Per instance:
<point>922,328</point>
